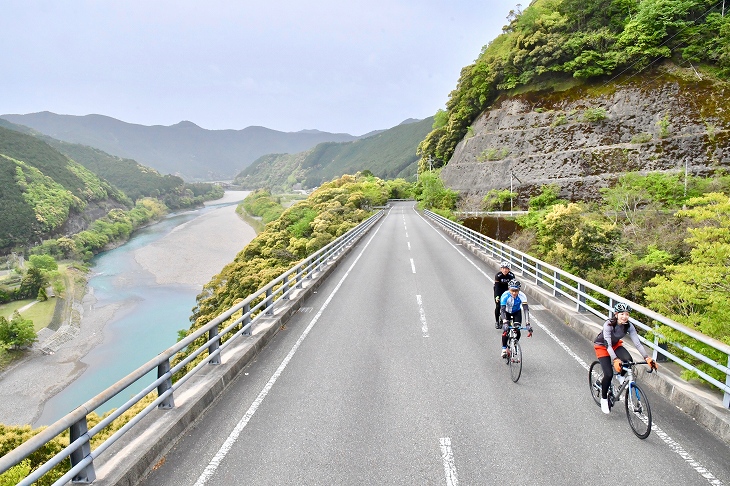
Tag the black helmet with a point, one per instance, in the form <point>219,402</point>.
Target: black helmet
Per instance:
<point>514,284</point>
<point>621,307</point>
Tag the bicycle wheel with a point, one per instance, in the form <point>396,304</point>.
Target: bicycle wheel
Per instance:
<point>515,361</point>
<point>638,411</point>
<point>595,377</point>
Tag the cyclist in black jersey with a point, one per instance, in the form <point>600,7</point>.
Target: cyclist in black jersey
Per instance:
<point>501,285</point>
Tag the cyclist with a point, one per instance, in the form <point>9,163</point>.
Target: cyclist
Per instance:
<point>511,305</point>
<point>501,281</point>
<point>610,351</point>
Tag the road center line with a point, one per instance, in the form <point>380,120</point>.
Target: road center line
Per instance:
<point>409,246</point>
<point>413,266</point>
<point>231,440</point>
<point>422,312</point>
<point>447,455</point>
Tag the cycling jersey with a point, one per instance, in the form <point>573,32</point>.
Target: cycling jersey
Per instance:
<point>610,338</point>
<point>512,303</point>
<point>501,283</point>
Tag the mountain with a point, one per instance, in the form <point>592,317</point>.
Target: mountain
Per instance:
<point>388,154</point>
<point>42,190</point>
<point>183,149</point>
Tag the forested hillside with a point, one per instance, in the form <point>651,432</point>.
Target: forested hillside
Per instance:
<point>389,154</point>
<point>41,188</point>
<point>554,41</point>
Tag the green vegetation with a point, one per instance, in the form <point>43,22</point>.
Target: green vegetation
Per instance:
<point>302,229</point>
<point>496,200</point>
<point>640,244</point>
<point>552,42</point>
<point>434,196</point>
<point>493,154</point>
<point>390,154</point>
<point>17,332</point>
<point>593,115</point>
<point>261,204</point>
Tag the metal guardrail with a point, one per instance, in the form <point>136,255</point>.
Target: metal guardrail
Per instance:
<point>583,294</point>
<point>256,305</point>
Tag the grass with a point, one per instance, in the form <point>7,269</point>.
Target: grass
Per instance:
<point>40,313</point>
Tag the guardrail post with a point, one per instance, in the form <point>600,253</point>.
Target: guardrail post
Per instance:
<point>581,298</point>
<point>285,289</point>
<point>299,280</point>
<point>212,334</point>
<point>556,280</point>
<point>269,304</point>
<point>247,319</point>
<point>538,281</point>
<point>76,431</point>
<point>162,370</point>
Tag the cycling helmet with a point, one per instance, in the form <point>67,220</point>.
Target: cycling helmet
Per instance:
<point>514,284</point>
<point>504,264</point>
<point>621,307</point>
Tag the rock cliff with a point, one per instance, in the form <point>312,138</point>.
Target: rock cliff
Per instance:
<point>583,138</point>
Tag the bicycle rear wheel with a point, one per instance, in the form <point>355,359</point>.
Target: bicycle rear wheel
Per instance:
<point>638,411</point>
<point>595,377</point>
<point>515,361</point>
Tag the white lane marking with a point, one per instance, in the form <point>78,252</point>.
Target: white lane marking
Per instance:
<point>231,440</point>
<point>409,246</point>
<point>413,266</point>
<point>424,326</point>
<point>674,446</point>
<point>406,234</point>
<point>447,455</point>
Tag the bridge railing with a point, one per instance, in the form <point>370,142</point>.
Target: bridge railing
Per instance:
<point>252,308</point>
<point>587,297</point>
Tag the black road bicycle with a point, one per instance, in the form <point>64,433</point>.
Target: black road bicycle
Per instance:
<point>513,358</point>
<point>638,411</point>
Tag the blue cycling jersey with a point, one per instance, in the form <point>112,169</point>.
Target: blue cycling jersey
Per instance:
<point>511,303</point>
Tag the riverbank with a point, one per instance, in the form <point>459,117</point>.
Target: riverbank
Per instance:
<point>191,254</point>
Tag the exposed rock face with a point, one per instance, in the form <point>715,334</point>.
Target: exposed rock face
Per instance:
<point>666,123</point>
<point>78,222</point>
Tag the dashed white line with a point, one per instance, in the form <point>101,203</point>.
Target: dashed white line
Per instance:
<point>422,312</point>
<point>674,446</point>
<point>413,266</point>
<point>409,246</point>
<point>447,455</point>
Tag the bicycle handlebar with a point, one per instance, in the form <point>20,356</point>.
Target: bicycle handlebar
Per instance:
<point>626,364</point>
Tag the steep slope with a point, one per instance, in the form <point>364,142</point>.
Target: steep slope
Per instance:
<point>43,190</point>
<point>184,149</point>
<point>583,138</point>
<point>388,154</point>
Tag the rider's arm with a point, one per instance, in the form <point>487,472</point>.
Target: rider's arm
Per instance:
<point>526,312</point>
<point>607,328</point>
<point>635,338</point>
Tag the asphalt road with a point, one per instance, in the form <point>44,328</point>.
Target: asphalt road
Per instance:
<point>391,375</point>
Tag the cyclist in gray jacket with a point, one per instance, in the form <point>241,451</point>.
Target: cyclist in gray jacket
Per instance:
<point>610,351</point>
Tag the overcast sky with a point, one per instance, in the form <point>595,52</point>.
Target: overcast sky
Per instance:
<point>337,66</point>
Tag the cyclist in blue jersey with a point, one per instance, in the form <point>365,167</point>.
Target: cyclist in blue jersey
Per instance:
<point>512,303</point>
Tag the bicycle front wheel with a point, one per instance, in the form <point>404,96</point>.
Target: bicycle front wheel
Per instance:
<point>515,361</point>
<point>638,411</point>
<point>595,377</point>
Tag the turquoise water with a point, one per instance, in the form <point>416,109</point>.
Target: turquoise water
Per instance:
<point>146,325</point>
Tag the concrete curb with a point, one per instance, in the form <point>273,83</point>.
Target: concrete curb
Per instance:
<point>700,402</point>
<point>131,458</point>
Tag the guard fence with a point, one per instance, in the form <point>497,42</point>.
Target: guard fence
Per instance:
<point>238,322</point>
<point>589,298</point>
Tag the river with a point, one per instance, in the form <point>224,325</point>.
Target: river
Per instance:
<point>153,282</point>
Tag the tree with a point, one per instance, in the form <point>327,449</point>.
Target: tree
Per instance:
<point>32,282</point>
<point>696,293</point>
<point>17,332</point>
<point>43,262</point>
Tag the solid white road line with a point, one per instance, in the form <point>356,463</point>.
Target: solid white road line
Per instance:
<point>231,440</point>
<point>674,446</point>
<point>447,455</point>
